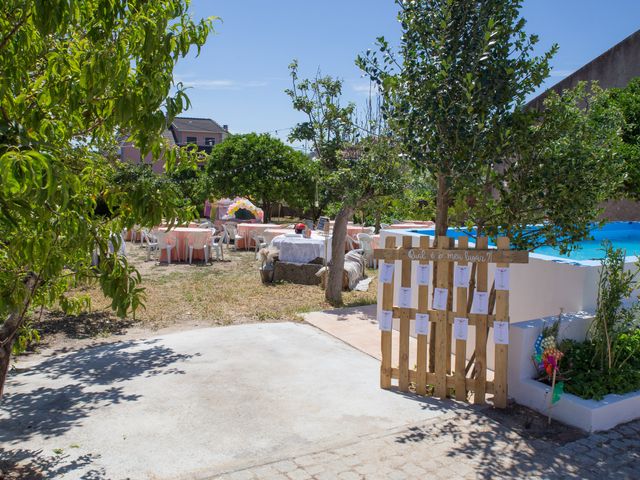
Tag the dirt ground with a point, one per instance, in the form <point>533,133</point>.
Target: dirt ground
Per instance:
<point>182,296</point>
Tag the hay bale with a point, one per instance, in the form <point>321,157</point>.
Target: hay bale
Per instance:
<point>302,274</point>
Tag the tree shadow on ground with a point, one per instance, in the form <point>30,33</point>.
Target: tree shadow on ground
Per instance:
<point>84,381</point>
<point>23,464</point>
<point>85,325</point>
<point>496,445</point>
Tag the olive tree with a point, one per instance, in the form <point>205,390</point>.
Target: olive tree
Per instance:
<point>74,76</point>
<point>357,163</point>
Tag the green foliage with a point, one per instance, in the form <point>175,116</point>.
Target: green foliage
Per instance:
<point>587,381</point>
<point>26,337</point>
<point>609,360</point>
<point>263,169</point>
<point>464,69</point>
<point>613,319</point>
<point>628,101</point>
<point>560,169</point>
<point>74,75</point>
<point>330,124</point>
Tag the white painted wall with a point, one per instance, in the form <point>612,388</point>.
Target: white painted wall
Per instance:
<point>589,415</point>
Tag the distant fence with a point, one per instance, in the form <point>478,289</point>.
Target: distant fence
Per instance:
<point>438,271</point>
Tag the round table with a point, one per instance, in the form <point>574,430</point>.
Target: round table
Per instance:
<point>245,230</point>
<point>183,235</point>
<point>297,249</point>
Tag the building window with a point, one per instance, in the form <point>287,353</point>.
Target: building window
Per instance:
<point>192,140</point>
<point>209,141</point>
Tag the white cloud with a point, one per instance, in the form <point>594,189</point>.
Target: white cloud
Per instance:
<point>222,84</point>
<point>364,88</point>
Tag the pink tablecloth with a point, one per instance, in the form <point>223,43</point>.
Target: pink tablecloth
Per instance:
<point>245,230</point>
<point>183,235</point>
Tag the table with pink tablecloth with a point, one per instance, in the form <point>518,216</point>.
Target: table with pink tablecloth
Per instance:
<point>245,230</point>
<point>183,235</point>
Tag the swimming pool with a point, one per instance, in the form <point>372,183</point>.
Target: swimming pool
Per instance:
<point>624,235</point>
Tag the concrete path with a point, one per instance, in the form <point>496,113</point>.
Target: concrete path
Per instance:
<point>358,327</point>
<point>198,403</point>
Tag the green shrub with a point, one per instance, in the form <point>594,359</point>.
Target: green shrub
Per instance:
<point>608,361</point>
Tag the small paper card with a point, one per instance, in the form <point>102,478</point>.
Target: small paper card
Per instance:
<point>404,300</point>
<point>502,278</point>
<point>386,272</point>
<point>424,275</point>
<point>422,323</point>
<point>480,303</point>
<point>501,333</point>
<point>440,298</point>
<point>460,328</point>
<point>385,320</point>
<point>461,276</point>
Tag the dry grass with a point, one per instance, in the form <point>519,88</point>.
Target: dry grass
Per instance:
<point>222,293</point>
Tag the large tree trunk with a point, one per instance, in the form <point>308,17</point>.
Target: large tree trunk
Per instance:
<point>333,290</point>
<point>266,208</point>
<point>9,329</point>
<point>442,224</point>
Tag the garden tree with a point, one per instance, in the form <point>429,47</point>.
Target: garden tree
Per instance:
<point>558,172</point>
<point>192,182</point>
<point>355,169</point>
<point>74,74</point>
<point>627,99</point>
<point>455,88</point>
<point>263,169</point>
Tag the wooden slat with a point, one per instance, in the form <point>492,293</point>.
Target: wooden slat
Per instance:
<point>501,351</point>
<point>411,313</point>
<point>403,352</point>
<point>452,245</point>
<point>461,345</point>
<point>481,330</point>
<point>480,255</point>
<point>442,281</point>
<point>470,383</point>
<point>423,307</point>
<point>385,337</point>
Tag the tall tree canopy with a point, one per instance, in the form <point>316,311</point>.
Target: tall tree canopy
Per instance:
<point>457,90</point>
<point>74,76</point>
<point>264,169</point>
<point>456,86</point>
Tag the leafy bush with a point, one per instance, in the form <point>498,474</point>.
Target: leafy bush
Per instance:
<point>587,381</point>
<point>609,360</point>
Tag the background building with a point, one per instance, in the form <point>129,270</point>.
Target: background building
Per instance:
<point>202,132</point>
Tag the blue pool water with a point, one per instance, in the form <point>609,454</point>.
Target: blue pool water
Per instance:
<point>624,235</point>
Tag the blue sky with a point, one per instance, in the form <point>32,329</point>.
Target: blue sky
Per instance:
<point>240,76</point>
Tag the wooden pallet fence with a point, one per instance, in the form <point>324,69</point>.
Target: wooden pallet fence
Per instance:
<point>436,272</point>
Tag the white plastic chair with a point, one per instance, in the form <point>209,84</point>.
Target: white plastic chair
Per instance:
<point>231,233</point>
<point>352,243</point>
<point>199,241</point>
<point>366,244</point>
<point>215,244</point>
<point>258,241</point>
<point>167,241</point>
<point>150,242</point>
